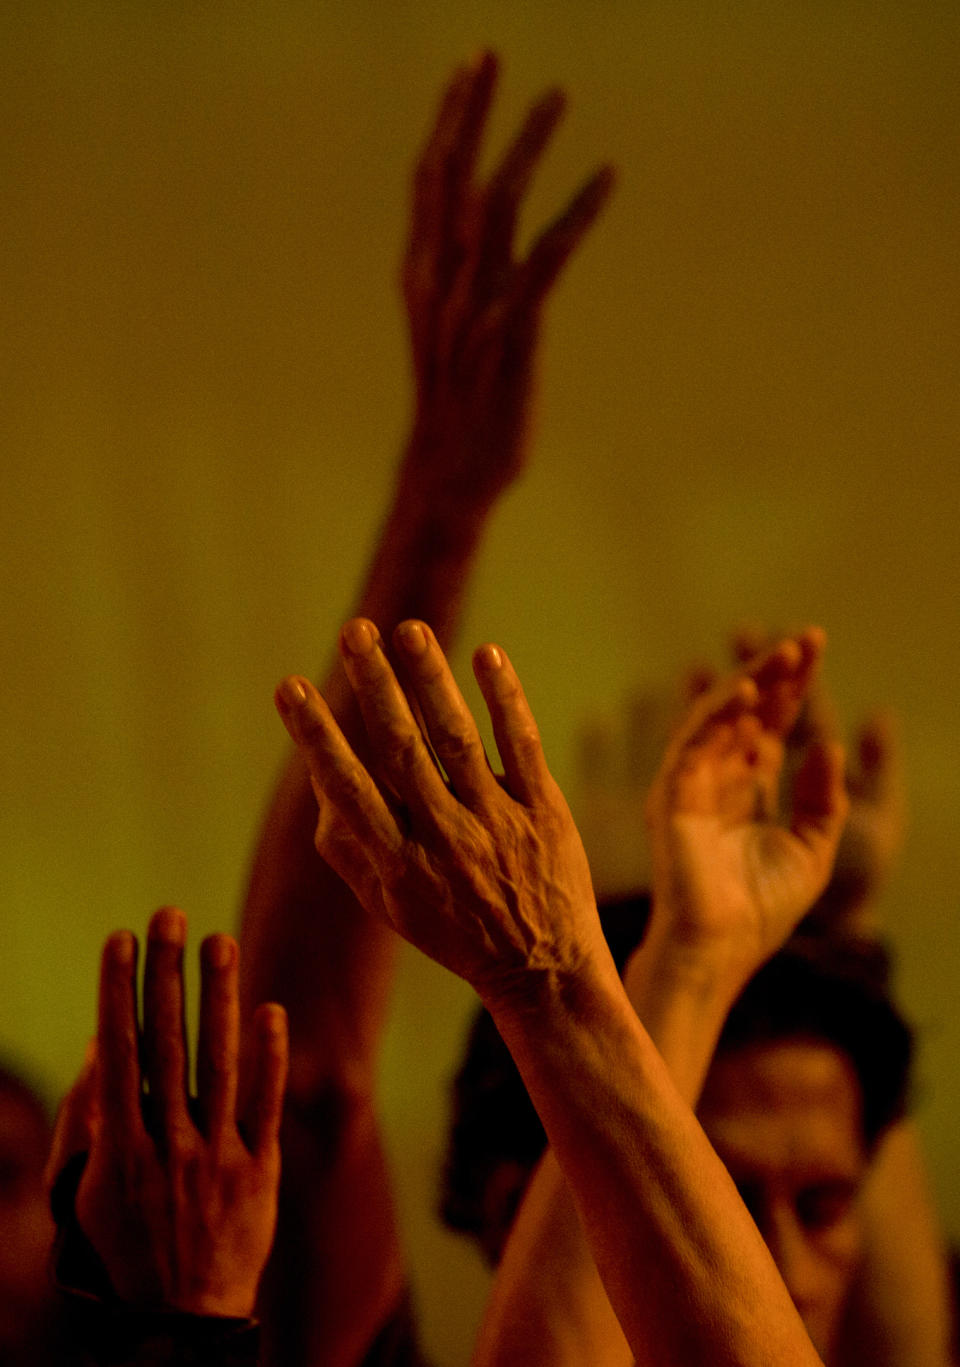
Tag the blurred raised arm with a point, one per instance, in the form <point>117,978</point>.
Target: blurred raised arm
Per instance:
<point>474,307</point>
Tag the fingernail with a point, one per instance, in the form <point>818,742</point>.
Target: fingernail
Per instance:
<point>272,1021</point>
<point>169,926</point>
<point>124,946</point>
<point>411,637</point>
<point>291,695</point>
<point>490,657</point>
<point>220,951</point>
<point>357,636</point>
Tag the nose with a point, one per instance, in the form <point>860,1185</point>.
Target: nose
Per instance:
<point>796,1260</point>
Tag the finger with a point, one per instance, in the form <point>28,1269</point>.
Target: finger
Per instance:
<point>716,709</point>
<point>880,762</point>
<point>430,168</point>
<point>817,720</point>
<point>748,640</point>
<point>452,730</point>
<point>396,740</point>
<point>443,172</point>
<point>783,676</point>
<point>510,181</point>
<point>465,142</point>
<point>118,1065</point>
<point>514,729</point>
<point>820,802</point>
<point>219,1035</point>
<point>164,1027</point>
<point>263,1108</point>
<point>76,1120</point>
<point>338,777</point>
<point>557,243</point>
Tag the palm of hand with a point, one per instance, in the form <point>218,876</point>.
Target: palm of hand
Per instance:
<point>727,867</point>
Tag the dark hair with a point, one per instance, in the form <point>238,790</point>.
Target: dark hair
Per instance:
<point>834,991</point>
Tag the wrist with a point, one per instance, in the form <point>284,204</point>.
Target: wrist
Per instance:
<point>709,969</point>
<point>542,1002</point>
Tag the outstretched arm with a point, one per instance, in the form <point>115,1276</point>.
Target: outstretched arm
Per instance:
<point>474,307</point>
<point>731,879</point>
<point>488,877</point>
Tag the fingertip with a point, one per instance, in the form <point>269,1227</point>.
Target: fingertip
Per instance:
<point>218,953</point>
<point>878,737</point>
<point>603,183</point>
<point>484,63</point>
<point>792,651</point>
<point>290,695</point>
<point>813,640</point>
<point>270,1021</point>
<point>121,948</point>
<point>747,691</point>
<point>167,926</point>
<point>411,637</point>
<point>551,104</point>
<point>358,636</point>
<point>488,659</point>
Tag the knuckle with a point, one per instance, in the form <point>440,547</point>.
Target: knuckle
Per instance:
<point>456,745</point>
<point>401,753</point>
<point>526,741</point>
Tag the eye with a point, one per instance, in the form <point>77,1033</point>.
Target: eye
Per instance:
<point>826,1204</point>
<point>752,1198</point>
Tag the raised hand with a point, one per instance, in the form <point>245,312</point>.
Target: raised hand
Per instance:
<point>474,307</point>
<point>731,873</point>
<point>178,1195</point>
<point>876,824</point>
<point>486,875</point>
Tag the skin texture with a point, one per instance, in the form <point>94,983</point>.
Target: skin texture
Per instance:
<point>475,307</point>
<point>178,1199</point>
<point>785,1119</point>
<point>489,877</point>
<point>733,876</point>
<point>494,866</point>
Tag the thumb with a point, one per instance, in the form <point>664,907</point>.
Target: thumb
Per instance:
<point>78,1118</point>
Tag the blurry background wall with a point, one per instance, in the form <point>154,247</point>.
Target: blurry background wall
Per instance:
<point>749,409</point>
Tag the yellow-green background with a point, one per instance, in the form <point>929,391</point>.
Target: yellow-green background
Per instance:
<point>749,409</point>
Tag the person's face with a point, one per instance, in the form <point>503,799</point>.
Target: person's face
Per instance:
<point>26,1226</point>
<point>786,1120</point>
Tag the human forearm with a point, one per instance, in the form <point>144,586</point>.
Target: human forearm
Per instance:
<point>548,1306</point>
<point>687,1273</point>
<point>305,942</point>
<point>899,1314</point>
